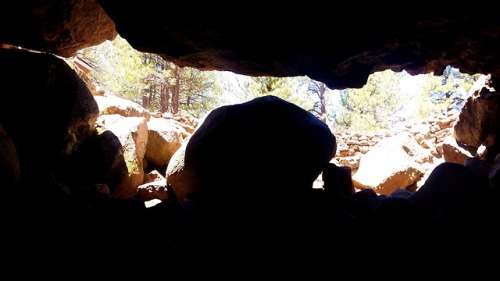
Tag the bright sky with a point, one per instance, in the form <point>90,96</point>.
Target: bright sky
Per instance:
<point>410,86</point>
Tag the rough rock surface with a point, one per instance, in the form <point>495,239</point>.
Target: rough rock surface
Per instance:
<point>340,47</point>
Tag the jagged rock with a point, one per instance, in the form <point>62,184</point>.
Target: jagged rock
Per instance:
<point>372,42</point>
<point>477,123</point>
<point>454,152</point>
<point>58,27</point>
<point>154,187</point>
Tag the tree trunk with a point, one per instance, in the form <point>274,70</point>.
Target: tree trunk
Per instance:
<point>145,100</point>
<point>176,90</point>
<point>152,96</point>
<point>322,101</point>
<point>164,97</point>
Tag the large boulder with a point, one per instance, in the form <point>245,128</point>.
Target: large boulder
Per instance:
<point>132,133</point>
<point>109,105</point>
<point>257,149</point>
<point>165,136</point>
<point>47,111</point>
<point>114,156</point>
<point>390,165</point>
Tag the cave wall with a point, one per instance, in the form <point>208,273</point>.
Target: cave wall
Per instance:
<point>340,46</point>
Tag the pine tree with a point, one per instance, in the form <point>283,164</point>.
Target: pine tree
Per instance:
<point>374,107</point>
<point>287,88</point>
<point>151,81</point>
<point>444,93</point>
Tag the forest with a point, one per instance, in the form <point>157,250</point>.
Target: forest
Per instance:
<point>386,102</point>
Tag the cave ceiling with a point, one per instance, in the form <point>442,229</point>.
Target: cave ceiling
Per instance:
<point>340,45</point>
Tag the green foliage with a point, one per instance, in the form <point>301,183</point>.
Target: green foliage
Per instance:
<point>382,104</point>
<point>444,93</point>
<point>265,85</point>
<point>201,92</point>
<point>287,88</point>
<point>118,68</point>
<point>158,85</point>
<point>373,108</point>
<point>149,80</point>
<point>319,99</point>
